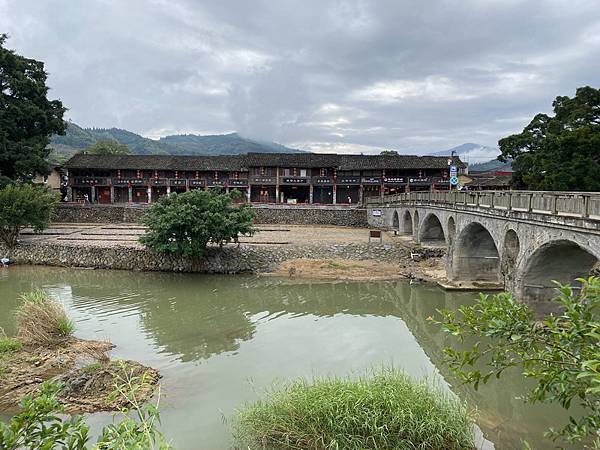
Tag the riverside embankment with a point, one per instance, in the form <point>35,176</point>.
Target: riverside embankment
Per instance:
<point>116,246</point>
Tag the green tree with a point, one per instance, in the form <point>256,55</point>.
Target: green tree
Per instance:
<point>107,148</point>
<point>561,152</point>
<point>389,153</point>
<point>560,353</point>
<point>184,224</point>
<point>24,205</point>
<point>27,118</point>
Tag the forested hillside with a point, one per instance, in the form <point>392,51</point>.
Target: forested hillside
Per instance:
<point>78,138</point>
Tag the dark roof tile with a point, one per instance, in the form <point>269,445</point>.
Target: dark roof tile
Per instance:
<point>241,162</point>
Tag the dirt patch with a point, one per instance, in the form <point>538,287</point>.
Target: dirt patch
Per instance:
<point>82,367</point>
<point>338,269</point>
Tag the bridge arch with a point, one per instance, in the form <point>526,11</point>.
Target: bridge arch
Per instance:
<point>432,229</point>
<point>559,260</point>
<point>396,221</point>
<point>475,256</point>
<point>407,223</point>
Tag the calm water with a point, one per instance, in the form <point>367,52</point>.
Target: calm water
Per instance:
<point>220,340</point>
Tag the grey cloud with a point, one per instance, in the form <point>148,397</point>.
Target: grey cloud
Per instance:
<point>350,75</point>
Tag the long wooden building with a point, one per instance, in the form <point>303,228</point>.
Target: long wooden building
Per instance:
<point>291,178</point>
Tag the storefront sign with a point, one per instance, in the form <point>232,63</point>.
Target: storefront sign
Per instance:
<point>371,180</point>
<point>294,180</point>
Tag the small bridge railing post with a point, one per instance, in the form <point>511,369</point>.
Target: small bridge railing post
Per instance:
<point>585,211</point>
<point>509,204</point>
<point>554,210</point>
<point>530,202</point>
<point>492,199</point>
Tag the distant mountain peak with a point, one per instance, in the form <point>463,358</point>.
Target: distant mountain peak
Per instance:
<point>470,152</point>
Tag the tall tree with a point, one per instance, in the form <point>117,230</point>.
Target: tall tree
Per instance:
<point>27,117</point>
<point>107,148</point>
<point>560,152</point>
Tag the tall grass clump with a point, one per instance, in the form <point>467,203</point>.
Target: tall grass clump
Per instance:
<point>42,320</point>
<point>387,410</point>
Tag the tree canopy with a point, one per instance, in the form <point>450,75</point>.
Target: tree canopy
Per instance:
<point>107,148</point>
<point>561,152</point>
<point>25,205</point>
<point>184,224</point>
<point>27,118</point>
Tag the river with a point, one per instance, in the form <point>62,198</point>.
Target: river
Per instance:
<point>219,341</point>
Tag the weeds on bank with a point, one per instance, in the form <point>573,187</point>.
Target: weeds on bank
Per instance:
<point>8,345</point>
<point>42,320</point>
<point>385,410</point>
<point>338,266</point>
<point>43,425</point>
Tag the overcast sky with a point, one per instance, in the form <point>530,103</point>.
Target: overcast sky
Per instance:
<point>411,75</point>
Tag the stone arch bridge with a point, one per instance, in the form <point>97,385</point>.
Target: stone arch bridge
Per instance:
<point>517,239</point>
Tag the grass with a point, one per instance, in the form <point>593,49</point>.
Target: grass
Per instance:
<point>387,410</point>
<point>9,345</point>
<point>339,266</point>
<point>91,368</point>
<point>42,320</point>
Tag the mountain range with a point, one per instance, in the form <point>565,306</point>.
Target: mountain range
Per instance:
<point>78,138</point>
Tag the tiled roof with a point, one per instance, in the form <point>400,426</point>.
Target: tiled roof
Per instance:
<point>240,162</point>
<point>155,162</point>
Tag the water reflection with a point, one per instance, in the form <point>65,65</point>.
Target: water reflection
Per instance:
<point>210,334</point>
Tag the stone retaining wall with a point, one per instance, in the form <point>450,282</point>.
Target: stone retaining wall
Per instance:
<point>265,214</point>
<point>227,260</point>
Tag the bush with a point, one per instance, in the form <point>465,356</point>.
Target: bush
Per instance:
<point>23,206</point>
<point>386,410</point>
<point>42,320</point>
<point>184,224</point>
<point>560,353</point>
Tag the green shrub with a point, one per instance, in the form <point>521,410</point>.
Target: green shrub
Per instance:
<point>23,206</point>
<point>184,224</point>
<point>385,410</point>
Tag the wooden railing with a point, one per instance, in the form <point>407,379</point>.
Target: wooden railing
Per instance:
<point>574,204</point>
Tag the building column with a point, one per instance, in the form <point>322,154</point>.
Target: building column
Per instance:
<point>381,192</point>
<point>277,185</point>
<point>227,189</point>
<point>149,194</point>
<point>310,193</point>
<point>360,195</point>
<point>112,193</point>
<point>168,189</point>
<point>248,193</point>
<point>130,194</point>
<point>334,194</point>
<point>93,197</point>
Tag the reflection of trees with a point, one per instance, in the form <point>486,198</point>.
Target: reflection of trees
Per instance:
<point>197,316</point>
